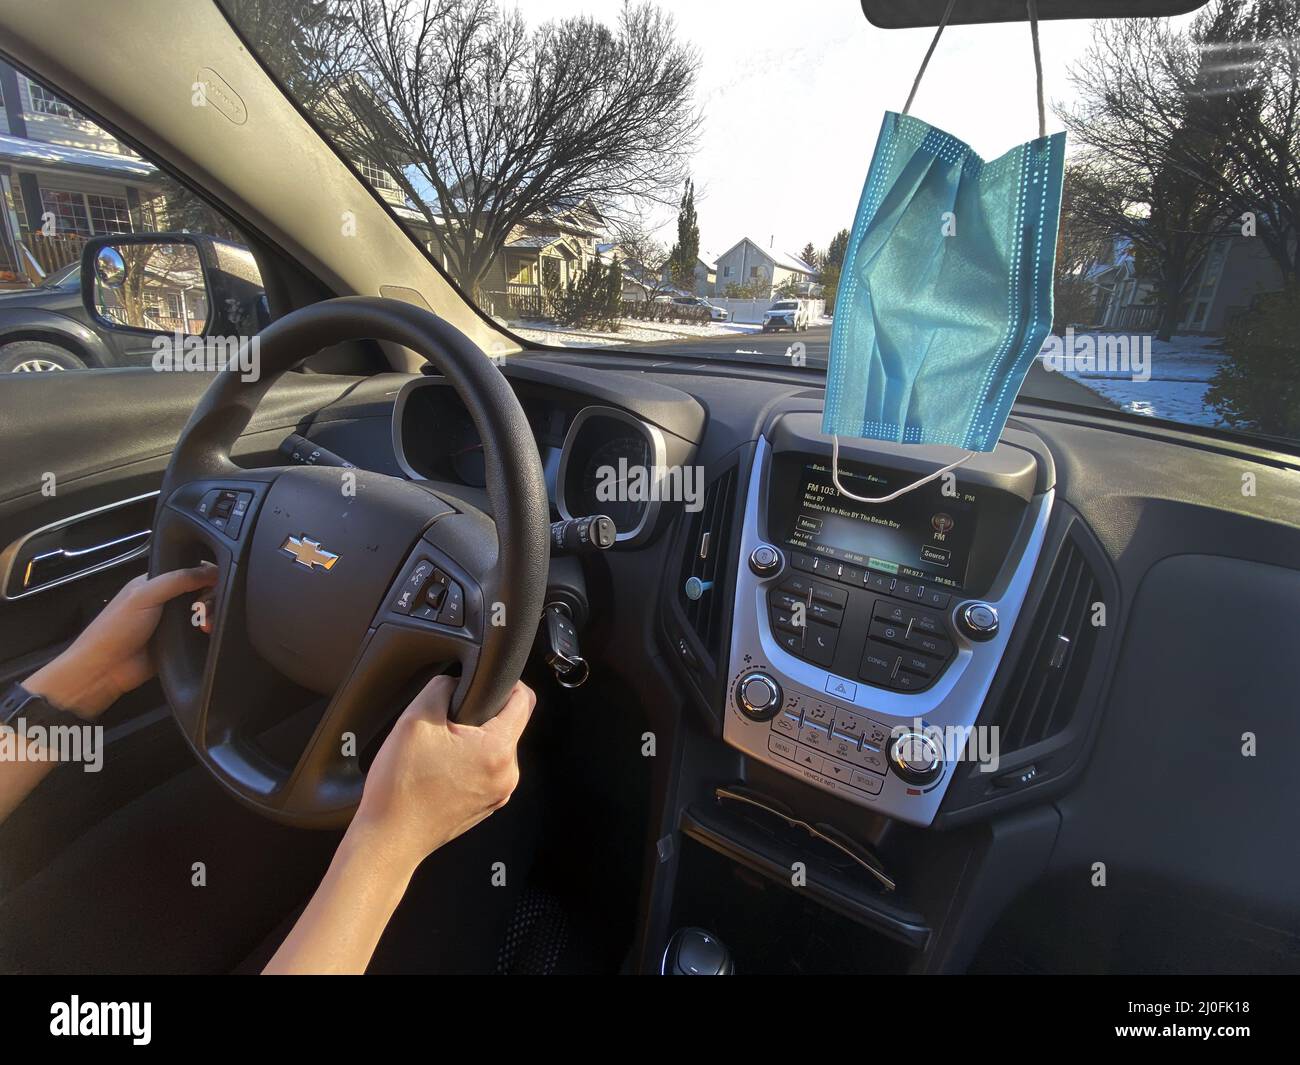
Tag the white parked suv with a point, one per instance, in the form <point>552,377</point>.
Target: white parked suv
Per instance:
<point>787,314</point>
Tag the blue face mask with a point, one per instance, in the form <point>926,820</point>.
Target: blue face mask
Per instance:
<point>945,293</point>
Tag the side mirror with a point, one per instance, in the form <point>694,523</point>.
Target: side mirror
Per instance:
<point>171,283</point>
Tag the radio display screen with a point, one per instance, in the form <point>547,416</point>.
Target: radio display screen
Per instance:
<point>925,534</point>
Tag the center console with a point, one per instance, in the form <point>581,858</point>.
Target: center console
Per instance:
<point>866,635</point>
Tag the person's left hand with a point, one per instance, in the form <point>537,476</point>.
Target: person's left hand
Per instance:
<point>111,656</point>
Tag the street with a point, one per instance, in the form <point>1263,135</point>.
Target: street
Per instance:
<point>775,347</point>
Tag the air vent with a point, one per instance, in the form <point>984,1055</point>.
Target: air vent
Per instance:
<point>704,565</point>
<point>1041,698</point>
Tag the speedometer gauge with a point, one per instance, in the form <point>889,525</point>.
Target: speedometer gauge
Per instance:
<point>616,481</point>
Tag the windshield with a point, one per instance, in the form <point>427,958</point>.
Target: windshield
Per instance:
<point>576,168</point>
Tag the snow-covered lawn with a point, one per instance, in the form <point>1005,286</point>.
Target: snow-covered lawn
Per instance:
<point>1180,372</point>
<point>631,331</point>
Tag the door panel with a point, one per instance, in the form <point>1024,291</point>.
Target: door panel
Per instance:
<point>105,436</point>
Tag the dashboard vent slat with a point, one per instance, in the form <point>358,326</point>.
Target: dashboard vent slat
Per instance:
<point>1039,701</point>
<point>706,546</point>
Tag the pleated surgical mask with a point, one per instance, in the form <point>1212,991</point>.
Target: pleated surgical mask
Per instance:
<point>945,293</point>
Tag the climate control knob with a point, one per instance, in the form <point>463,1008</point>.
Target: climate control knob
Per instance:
<point>915,757</point>
<point>758,696</point>
<point>979,621</point>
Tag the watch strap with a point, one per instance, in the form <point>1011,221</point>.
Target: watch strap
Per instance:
<point>34,710</point>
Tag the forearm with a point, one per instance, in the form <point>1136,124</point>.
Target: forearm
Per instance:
<point>341,926</point>
<point>22,770</point>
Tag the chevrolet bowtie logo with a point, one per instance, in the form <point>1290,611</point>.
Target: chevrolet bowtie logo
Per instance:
<point>308,552</point>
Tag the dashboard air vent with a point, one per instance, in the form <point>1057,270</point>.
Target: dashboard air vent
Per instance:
<point>704,565</point>
<point>1040,699</point>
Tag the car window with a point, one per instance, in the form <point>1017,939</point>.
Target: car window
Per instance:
<point>566,149</point>
<point>65,181</point>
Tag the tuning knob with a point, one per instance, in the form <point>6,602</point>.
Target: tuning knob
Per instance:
<point>915,757</point>
<point>979,621</point>
<point>758,696</point>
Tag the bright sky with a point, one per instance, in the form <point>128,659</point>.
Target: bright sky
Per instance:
<point>792,97</point>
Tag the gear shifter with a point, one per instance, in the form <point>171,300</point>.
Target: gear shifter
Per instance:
<point>695,952</point>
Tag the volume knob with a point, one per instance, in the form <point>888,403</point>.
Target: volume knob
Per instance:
<point>758,696</point>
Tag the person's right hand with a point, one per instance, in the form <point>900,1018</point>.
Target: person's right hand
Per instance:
<point>434,779</point>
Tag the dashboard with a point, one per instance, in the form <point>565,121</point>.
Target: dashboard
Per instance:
<point>597,458</point>
<point>1046,597</point>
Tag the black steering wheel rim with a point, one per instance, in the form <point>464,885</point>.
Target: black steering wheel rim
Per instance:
<point>499,563</point>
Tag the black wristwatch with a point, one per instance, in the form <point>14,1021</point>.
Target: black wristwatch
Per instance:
<point>35,710</point>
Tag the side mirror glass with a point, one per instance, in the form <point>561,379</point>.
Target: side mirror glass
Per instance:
<point>158,286</point>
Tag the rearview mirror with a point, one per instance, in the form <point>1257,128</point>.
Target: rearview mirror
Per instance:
<point>906,14</point>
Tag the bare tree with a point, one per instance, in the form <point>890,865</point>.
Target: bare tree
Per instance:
<point>1204,124</point>
<point>1139,85</point>
<point>646,259</point>
<point>484,122</point>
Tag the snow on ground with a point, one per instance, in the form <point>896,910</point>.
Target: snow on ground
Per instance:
<point>631,331</point>
<point>1180,372</point>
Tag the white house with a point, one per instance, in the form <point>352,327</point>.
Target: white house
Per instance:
<point>746,265</point>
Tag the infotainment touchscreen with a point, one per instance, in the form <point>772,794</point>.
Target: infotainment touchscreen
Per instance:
<point>924,534</point>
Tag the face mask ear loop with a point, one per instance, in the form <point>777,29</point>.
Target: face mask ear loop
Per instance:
<point>835,476</point>
<point>926,61</point>
<point>1031,7</point>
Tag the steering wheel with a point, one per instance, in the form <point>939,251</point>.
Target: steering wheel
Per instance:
<point>341,588</point>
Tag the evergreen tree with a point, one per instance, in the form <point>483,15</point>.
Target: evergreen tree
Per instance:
<point>681,260</point>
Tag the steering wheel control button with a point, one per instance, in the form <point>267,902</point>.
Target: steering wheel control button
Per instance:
<point>758,696</point>
<point>979,621</point>
<point>452,611</point>
<point>765,560</point>
<point>915,757</point>
<point>205,505</point>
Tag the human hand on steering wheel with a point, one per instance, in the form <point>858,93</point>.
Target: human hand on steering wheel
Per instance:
<point>434,779</point>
